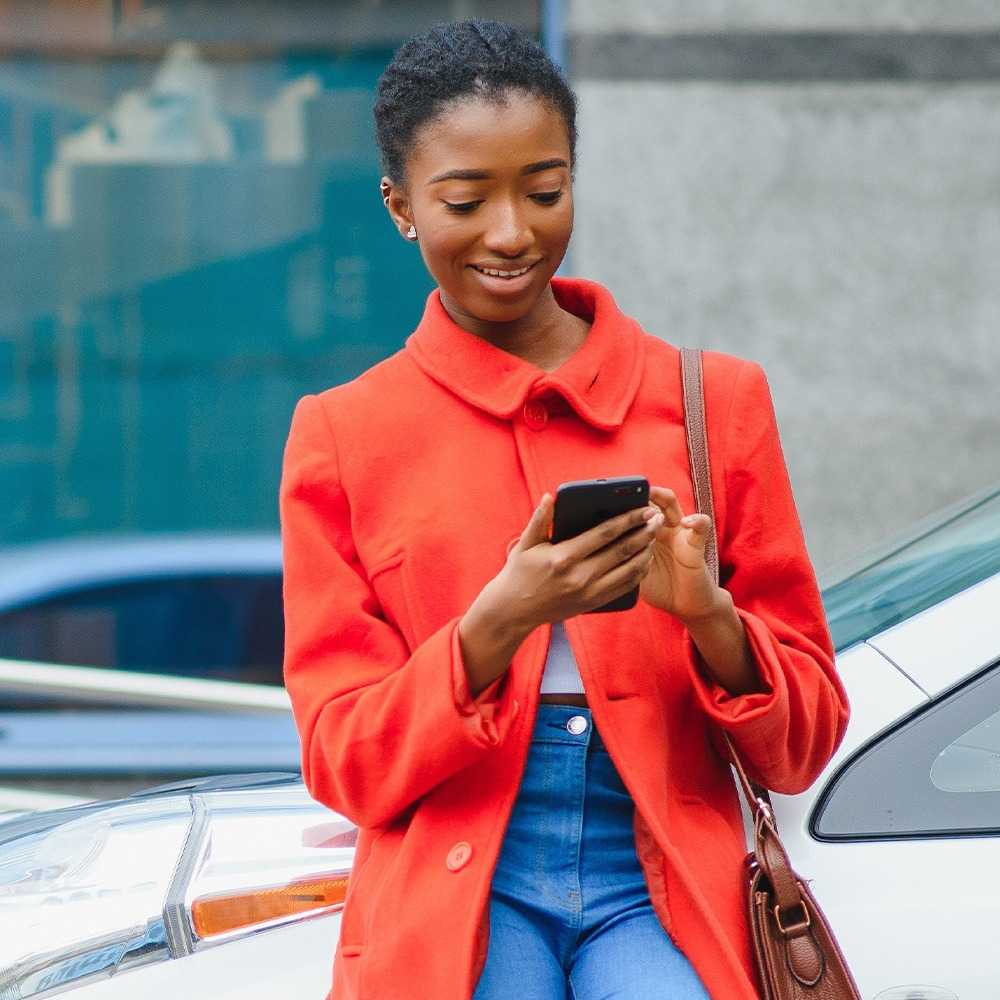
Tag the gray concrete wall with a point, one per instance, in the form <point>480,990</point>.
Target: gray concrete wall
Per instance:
<point>845,234</point>
<point>712,15</point>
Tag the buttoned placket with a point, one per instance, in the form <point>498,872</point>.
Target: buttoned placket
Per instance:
<point>530,426</point>
<point>534,435</point>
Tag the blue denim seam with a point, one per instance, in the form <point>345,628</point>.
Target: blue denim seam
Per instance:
<point>576,892</point>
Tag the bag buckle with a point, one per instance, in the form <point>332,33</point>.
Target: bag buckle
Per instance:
<point>800,926</point>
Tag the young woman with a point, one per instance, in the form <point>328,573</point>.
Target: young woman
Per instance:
<point>543,807</point>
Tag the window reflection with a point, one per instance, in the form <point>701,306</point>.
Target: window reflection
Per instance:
<point>191,238</point>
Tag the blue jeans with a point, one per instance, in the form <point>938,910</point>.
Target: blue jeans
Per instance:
<point>570,914</point>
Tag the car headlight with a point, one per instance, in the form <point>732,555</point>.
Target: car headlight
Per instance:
<point>162,877</point>
<point>87,896</point>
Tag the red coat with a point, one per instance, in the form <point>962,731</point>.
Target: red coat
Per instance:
<point>401,492</point>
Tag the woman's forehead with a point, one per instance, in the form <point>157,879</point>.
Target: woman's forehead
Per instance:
<point>494,135</point>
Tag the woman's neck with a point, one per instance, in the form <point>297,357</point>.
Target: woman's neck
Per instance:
<point>545,337</point>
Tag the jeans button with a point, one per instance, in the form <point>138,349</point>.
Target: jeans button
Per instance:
<point>577,725</point>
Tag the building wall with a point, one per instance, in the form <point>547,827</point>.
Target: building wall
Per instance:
<point>816,187</point>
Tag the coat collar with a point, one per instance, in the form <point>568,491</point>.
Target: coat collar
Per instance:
<point>599,380</point>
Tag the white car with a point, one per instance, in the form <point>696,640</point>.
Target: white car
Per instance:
<point>235,892</point>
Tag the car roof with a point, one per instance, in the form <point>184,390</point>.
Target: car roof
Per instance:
<point>40,569</point>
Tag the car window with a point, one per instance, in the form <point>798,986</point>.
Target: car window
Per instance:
<point>936,774</point>
<point>215,626</point>
<point>937,560</point>
<point>972,762</point>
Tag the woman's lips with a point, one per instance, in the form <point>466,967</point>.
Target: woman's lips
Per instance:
<point>504,279</point>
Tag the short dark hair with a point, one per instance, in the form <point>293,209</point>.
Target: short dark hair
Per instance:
<point>455,60</point>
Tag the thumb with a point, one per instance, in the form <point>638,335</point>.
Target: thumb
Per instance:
<point>536,530</point>
<point>700,525</point>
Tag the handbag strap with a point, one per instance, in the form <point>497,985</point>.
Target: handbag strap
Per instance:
<point>805,960</point>
<point>696,430</point>
<point>697,444</point>
<point>770,852</point>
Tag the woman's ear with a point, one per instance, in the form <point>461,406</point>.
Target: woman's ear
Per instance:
<point>398,206</point>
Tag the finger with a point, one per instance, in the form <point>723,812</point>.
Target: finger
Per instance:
<point>622,578</point>
<point>624,547</point>
<point>667,501</point>
<point>587,542</point>
<point>537,529</point>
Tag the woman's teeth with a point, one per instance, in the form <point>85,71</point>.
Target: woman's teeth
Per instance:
<point>493,272</point>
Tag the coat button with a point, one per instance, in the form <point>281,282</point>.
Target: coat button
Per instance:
<point>458,856</point>
<point>535,415</point>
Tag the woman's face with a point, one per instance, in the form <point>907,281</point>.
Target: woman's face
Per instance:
<point>489,192</point>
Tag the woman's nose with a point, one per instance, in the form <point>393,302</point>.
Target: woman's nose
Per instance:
<point>508,234</point>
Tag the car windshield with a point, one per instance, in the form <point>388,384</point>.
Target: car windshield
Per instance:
<point>939,558</point>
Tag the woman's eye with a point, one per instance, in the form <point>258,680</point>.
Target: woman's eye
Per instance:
<point>462,207</point>
<point>547,197</point>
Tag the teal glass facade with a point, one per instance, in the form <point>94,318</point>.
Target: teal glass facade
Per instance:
<point>188,243</point>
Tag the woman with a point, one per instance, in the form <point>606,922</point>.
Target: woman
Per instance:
<point>543,807</point>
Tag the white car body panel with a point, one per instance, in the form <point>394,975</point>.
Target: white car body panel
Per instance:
<point>945,643</point>
<point>887,900</point>
<point>291,961</point>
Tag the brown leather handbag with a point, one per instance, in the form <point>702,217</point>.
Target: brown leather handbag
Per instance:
<point>796,953</point>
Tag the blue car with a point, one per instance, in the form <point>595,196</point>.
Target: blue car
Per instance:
<point>189,605</point>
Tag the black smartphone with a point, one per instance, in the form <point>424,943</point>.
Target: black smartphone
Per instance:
<point>584,503</point>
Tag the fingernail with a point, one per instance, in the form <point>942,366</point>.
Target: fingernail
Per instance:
<point>649,513</point>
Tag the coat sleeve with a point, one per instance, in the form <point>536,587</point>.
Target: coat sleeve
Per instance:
<point>786,733</point>
<point>380,725</point>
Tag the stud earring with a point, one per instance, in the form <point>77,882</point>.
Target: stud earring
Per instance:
<point>411,233</point>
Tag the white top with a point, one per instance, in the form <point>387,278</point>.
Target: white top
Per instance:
<point>561,674</point>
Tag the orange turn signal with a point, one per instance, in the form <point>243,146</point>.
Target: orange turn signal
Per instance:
<point>225,912</point>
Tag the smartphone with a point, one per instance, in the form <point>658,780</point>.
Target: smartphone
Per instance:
<point>584,503</point>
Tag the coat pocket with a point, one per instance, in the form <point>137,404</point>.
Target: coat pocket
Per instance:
<point>386,579</point>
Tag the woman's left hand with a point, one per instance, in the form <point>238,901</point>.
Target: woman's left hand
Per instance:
<point>678,580</point>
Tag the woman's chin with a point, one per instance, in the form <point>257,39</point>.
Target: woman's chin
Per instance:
<point>506,306</point>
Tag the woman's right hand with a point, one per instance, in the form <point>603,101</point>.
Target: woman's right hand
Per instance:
<point>545,582</point>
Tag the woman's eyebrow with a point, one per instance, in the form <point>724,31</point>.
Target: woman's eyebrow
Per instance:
<point>535,168</point>
<point>485,175</point>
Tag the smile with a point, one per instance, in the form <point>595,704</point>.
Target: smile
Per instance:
<point>494,272</point>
